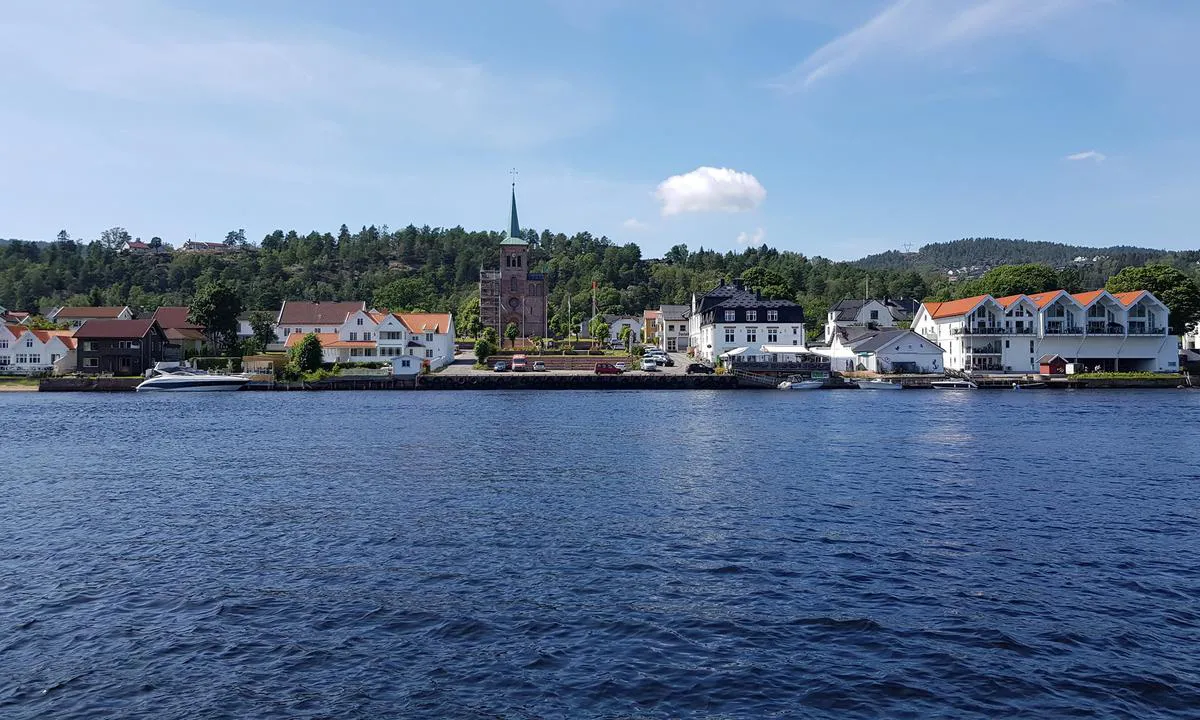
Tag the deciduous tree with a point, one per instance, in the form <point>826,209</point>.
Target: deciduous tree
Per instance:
<point>1177,291</point>
<point>216,306</point>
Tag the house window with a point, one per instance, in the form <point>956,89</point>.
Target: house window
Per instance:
<point>3,344</point>
<point>405,363</point>
<point>730,315</point>
<point>751,334</point>
<point>772,335</point>
<point>772,316</point>
<point>729,335</point>
<point>671,328</point>
<point>359,321</point>
<point>428,337</point>
<point>29,342</point>
<point>54,358</point>
<point>353,336</point>
<point>5,360</point>
<point>751,315</point>
<point>874,314</point>
<point>429,353</point>
<point>367,336</point>
<point>1005,344</point>
<point>795,330</point>
<point>22,358</point>
<point>1030,346</point>
<point>287,331</point>
<point>91,362</point>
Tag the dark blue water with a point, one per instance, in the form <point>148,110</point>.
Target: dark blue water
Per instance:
<point>624,554</point>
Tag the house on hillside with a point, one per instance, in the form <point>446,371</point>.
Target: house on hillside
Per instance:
<point>189,336</point>
<point>122,347</point>
<point>731,319</point>
<point>76,316</point>
<point>1097,329</point>
<point>208,248</point>
<point>314,317</point>
<point>869,313</point>
<point>246,330</point>
<point>372,336</point>
<point>12,316</point>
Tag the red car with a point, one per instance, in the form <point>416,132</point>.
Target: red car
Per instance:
<point>607,369</point>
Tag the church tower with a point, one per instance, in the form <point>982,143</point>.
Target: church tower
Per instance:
<point>513,294</point>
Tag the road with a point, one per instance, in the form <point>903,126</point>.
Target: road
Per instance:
<point>464,365</point>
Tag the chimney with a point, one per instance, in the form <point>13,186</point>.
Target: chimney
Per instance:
<point>722,283</point>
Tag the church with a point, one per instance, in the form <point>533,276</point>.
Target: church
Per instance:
<point>512,294</point>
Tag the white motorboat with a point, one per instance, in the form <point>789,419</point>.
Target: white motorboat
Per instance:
<point>173,377</point>
<point>879,384</point>
<point>800,384</point>
<point>953,384</point>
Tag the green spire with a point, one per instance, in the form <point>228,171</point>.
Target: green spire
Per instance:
<point>514,227</point>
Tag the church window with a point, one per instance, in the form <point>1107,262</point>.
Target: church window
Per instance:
<point>512,284</point>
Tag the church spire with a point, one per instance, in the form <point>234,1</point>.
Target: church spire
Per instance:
<point>514,227</point>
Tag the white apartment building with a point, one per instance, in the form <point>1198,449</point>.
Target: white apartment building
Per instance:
<point>1097,329</point>
<point>371,336</point>
<point>730,320</point>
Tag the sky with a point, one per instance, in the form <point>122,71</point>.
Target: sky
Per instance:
<point>837,129</point>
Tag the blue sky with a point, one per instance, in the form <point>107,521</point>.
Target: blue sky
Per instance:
<point>831,128</point>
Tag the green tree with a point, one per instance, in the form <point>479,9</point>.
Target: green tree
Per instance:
<point>406,294</point>
<point>216,306</point>
<point>599,329</point>
<point>235,237</point>
<point>1177,291</point>
<point>306,354</point>
<point>483,349</point>
<point>115,237</point>
<point>769,283</point>
<point>625,334</point>
<point>1018,279</point>
<point>262,327</point>
<point>489,334</point>
<point>512,332</point>
<point>468,316</point>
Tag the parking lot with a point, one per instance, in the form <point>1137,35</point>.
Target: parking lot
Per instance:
<point>464,362</point>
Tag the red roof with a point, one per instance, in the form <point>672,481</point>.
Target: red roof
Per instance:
<point>1008,300</point>
<point>175,317</point>
<point>87,313</point>
<point>1087,298</point>
<point>426,322</point>
<point>1129,298</point>
<point>327,339</point>
<point>954,308</point>
<point>114,329</point>
<point>1043,299</point>
<point>308,313</point>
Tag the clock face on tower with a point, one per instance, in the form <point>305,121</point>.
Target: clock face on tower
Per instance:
<point>514,302</point>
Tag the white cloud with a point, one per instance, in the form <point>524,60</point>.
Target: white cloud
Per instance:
<point>908,29</point>
<point>756,239</point>
<point>708,189</point>
<point>634,224</point>
<point>1098,157</point>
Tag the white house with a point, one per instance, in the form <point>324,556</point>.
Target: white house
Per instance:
<point>370,336</point>
<point>673,328</point>
<point>868,313</point>
<point>33,351</point>
<point>246,330</point>
<point>313,317</point>
<point>1125,331</point>
<point>615,324</point>
<point>731,320</point>
<point>76,316</point>
<point>881,350</point>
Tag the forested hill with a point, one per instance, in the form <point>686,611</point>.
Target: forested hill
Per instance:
<point>993,252</point>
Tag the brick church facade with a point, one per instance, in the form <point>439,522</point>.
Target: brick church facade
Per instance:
<point>512,294</point>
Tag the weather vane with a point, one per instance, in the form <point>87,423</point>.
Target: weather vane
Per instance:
<point>514,173</point>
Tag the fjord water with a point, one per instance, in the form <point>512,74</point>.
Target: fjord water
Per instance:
<point>600,554</point>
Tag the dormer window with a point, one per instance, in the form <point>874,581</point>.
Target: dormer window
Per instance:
<point>751,316</point>
<point>772,316</point>
<point>730,315</point>
<point>359,322</point>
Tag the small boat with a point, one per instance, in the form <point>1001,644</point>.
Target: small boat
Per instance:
<point>953,384</point>
<point>800,384</point>
<point>1028,385</point>
<point>172,377</point>
<point>879,384</point>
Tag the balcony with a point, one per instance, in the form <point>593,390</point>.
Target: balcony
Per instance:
<point>1095,328</point>
<point>991,330</point>
<point>1063,330</point>
<point>1142,330</point>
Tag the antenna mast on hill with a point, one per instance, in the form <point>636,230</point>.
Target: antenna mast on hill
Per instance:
<point>907,248</point>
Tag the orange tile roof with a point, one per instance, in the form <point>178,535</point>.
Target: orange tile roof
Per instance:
<point>1087,298</point>
<point>327,339</point>
<point>954,307</point>
<point>15,330</point>
<point>350,344</point>
<point>45,335</point>
<point>1043,299</point>
<point>425,322</point>
<point>1008,300</point>
<point>1129,298</point>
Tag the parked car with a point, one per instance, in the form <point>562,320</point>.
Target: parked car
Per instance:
<point>500,366</point>
<point>699,368</point>
<point>663,359</point>
<point>649,365</point>
<point>607,369</point>
<point>621,366</point>
<point>539,366</point>
<point>519,363</point>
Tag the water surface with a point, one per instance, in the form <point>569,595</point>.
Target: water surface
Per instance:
<point>600,554</point>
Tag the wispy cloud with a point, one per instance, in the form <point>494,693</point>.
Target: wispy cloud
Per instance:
<point>756,238</point>
<point>634,224</point>
<point>157,55</point>
<point>1093,155</point>
<point>910,29</point>
<point>709,189</point>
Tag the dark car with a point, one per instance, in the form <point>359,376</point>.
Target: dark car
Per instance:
<point>699,368</point>
<point>607,369</point>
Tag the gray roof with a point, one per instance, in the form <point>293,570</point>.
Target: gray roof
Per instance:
<point>673,312</point>
<point>885,337</point>
<point>900,309</point>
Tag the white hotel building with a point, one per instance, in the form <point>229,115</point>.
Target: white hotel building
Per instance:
<point>1097,329</point>
<point>407,340</point>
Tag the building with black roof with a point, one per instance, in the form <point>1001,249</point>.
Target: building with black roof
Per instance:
<point>732,319</point>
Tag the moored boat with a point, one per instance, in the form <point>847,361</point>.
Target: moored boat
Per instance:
<point>172,377</point>
<point>879,384</point>
<point>953,384</point>
<point>800,384</point>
